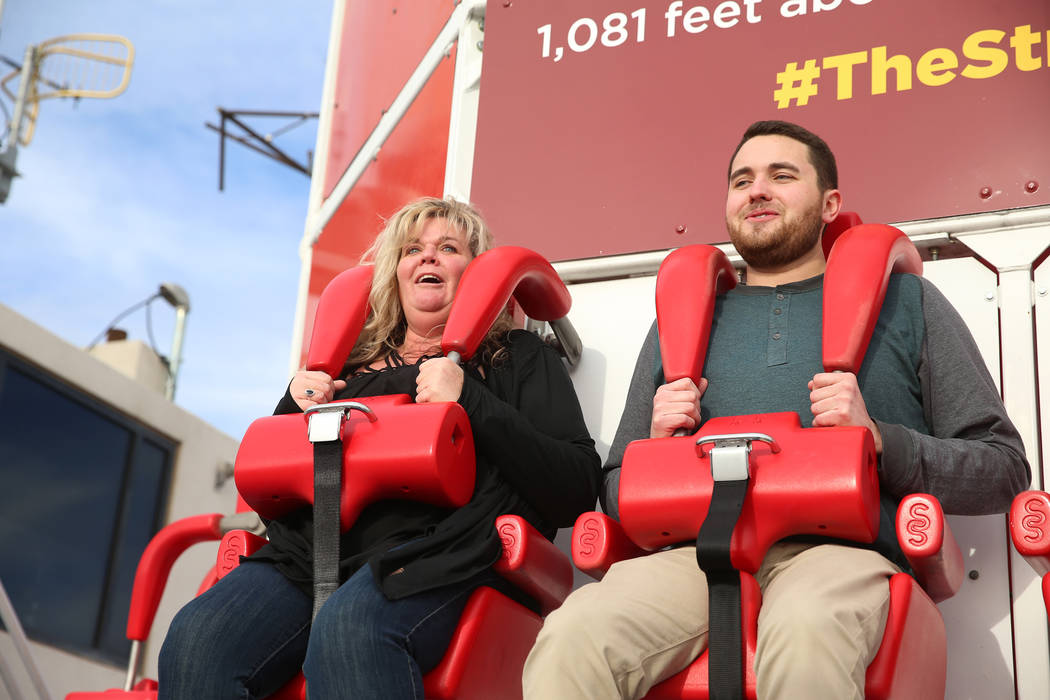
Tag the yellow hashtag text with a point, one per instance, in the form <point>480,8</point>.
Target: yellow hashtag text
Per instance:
<point>984,54</point>
<point>797,84</point>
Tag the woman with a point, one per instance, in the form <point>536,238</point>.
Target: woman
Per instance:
<point>406,568</point>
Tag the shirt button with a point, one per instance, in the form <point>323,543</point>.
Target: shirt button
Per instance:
<point>780,297</point>
<point>776,336</point>
<point>776,312</point>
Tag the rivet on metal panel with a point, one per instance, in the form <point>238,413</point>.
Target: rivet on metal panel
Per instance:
<point>480,44</point>
<point>1041,291</point>
<point>935,253</point>
<point>1031,186</point>
<point>986,192</point>
<point>507,3</point>
<point>989,296</point>
<point>974,574</point>
<point>680,229</point>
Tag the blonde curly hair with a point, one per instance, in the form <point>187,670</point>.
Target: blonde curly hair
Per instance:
<point>384,330</point>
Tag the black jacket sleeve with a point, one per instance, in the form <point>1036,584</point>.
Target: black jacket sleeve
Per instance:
<point>287,404</point>
<point>527,421</point>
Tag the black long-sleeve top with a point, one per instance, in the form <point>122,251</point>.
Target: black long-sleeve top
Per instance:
<point>535,458</point>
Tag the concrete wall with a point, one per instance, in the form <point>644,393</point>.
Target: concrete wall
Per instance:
<point>201,450</point>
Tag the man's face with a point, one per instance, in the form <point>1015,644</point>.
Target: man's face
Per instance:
<point>775,210</point>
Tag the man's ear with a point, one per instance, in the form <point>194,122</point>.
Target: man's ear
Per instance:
<point>832,205</point>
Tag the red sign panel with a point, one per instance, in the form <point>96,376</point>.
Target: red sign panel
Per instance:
<point>607,127</point>
<point>371,71</point>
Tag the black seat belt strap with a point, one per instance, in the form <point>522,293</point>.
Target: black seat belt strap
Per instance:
<point>325,432</point>
<point>328,473</point>
<point>731,474</point>
<point>725,639</point>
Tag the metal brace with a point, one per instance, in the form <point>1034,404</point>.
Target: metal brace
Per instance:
<point>326,419</point>
<point>730,454</point>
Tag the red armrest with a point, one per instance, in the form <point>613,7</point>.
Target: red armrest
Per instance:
<point>422,452</point>
<point>1030,532</point>
<point>912,659</point>
<point>235,544</point>
<point>533,563</point>
<point>929,545</point>
<point>598,542</point>
<point>155,565</point>
<point>1030,528</point>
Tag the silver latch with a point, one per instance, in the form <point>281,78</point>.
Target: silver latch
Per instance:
<point>325,420</point>
<point>731,454</point>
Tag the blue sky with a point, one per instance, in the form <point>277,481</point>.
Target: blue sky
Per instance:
<point>119,195</point>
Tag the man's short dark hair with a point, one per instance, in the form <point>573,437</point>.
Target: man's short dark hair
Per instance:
<point>820,155</point>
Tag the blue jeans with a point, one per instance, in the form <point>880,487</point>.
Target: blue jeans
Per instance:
<point>251,632</point>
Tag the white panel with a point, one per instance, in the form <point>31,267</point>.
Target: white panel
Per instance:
<point>1012,250</point>
<point>612,318</point>
<point>1042,339</point>
<point>977,618</point>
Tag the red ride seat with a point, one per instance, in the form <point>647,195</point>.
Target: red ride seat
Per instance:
<point>666,484</point>
<point>431,448</point>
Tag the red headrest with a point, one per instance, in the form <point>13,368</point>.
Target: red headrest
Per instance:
<point>686,286</point>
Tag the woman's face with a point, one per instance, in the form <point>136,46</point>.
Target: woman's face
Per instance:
<point>428,273</point>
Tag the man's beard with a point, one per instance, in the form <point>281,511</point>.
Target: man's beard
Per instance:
<point>778,243</point>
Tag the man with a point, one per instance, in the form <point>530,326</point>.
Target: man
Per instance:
<point>938,423</point>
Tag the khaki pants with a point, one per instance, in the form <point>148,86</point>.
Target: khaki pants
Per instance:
<point>823,613</point>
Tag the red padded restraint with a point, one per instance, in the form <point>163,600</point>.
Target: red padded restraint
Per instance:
<point>855,286</point>
<point>688,307</point>
<point>835,495</point>
<point>424,453</point>
<point>430,444</point>
<point>340,316</point>
<point>488,284</point>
